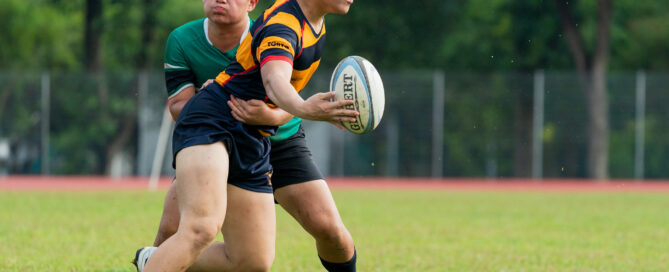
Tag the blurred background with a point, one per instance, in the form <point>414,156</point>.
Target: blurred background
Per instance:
<point>477,88</point>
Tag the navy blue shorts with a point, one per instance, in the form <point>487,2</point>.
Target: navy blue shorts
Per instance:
<point>206,118</point>
<point>292,162</point>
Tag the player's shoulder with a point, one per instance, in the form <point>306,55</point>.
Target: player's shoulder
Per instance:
<point>188,30</point>
<point>283,13</point>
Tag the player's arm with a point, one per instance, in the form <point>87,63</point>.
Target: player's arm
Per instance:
<point>179,77</point>
<point>257,112</point>
<point>176,103</point>
<point>276,79</point>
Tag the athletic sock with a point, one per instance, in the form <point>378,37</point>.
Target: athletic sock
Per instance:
<point>341,267</point>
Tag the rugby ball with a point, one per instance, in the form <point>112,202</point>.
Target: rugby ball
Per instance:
<point>355,78</point>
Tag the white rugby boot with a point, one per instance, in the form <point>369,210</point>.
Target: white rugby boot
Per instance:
<point>142,256</point>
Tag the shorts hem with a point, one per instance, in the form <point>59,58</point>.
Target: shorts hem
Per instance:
<point>264,189</point>
<point>281,185</point>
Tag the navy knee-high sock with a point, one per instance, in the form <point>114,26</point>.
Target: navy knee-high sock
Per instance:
<point>341,267</point>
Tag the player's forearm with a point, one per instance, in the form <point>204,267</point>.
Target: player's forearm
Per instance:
<point>280,117</point>
<point>175,109</point>
<point>283,94</point>
<point>176,103</point>
<point>287,99</point>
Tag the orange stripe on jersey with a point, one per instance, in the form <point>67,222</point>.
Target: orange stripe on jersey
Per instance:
<point>223,78</point>
<point>276,5</point>
<point>243,56</point>
<point>308,38</point>
<point>303,76</point>
<point>288,20</point>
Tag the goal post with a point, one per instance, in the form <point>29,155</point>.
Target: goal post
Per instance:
<point>161,147</point>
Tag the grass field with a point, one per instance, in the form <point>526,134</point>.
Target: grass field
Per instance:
<point>393,230</point>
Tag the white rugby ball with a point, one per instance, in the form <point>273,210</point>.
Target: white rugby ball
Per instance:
<point>355,78</point>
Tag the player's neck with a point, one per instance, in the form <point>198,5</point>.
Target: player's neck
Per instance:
<point>226,36</point>
<point>314,14</point>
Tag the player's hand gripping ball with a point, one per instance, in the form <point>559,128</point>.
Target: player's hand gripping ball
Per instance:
<point>356,79</point>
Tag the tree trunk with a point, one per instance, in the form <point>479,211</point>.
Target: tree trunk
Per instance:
<point>6,91</point>
<point>593,82</point>
<point>120,141</point>
<point>148,23</point>
<point>122,138</point>
<point>599,112</point>
<point>92,34</point>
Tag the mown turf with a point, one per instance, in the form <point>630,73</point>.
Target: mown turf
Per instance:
<point>393,230</point>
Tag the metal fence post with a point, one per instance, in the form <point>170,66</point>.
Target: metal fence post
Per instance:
<point>393,146</point>
<point>640,125</point>
<point>45,119</point>
<point>538,125</point>
<point>439,86</point>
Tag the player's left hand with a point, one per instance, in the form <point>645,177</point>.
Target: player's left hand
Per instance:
<point>252,112</point>
<point>209,81</point>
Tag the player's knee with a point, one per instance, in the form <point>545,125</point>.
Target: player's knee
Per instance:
<point>201,231</point>
<point>329,231</point>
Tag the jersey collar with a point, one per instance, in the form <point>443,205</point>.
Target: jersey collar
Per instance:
<point>206,30</point>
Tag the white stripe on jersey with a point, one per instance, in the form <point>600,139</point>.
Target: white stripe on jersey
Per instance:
<point>181,89</point>
<point>170,66</point>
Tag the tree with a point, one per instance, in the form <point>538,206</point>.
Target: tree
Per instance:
<point>92,34</point>
<point>592,76</point>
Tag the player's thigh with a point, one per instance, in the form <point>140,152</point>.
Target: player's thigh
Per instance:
<point>201,184</point>
<point>249,230</point>
<point>310,203</point>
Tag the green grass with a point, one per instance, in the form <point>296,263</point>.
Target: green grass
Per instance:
<point>393,230</point>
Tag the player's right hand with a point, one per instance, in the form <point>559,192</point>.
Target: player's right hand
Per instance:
<point>323,107</point>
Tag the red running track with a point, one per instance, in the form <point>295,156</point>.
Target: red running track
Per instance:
<point>97,183</point>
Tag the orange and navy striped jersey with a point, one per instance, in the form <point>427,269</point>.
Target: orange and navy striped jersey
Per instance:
<point>281,33</point>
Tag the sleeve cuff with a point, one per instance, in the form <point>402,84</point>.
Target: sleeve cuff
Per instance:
<point>283,58</point>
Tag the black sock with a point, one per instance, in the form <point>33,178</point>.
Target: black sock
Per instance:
<point>341,267</point>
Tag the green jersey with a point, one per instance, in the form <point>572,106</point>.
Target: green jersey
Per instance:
<point>191,59</point>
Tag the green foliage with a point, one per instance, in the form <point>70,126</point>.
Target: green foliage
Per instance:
<point>86,125</point>
<point>40,34</point>
<point>451,35</point>
<point>401,34</point>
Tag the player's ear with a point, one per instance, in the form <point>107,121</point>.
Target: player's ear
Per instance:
<point>252,5</point>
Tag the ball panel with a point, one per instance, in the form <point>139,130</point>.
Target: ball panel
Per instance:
<point>349,84</point>
<point>363,101</point>
<point>356,79</point>
<point>376,94</point>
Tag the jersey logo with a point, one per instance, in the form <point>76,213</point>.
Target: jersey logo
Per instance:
<point>275,44</point>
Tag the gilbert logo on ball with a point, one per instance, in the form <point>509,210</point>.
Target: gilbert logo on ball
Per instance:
<point>355,78</point>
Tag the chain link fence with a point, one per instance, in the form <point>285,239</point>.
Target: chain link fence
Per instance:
<point>436,124</point>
